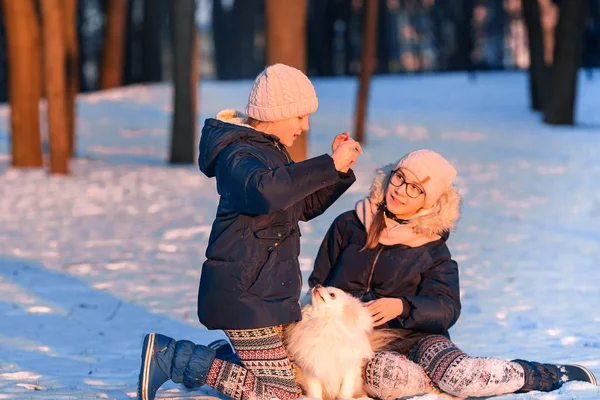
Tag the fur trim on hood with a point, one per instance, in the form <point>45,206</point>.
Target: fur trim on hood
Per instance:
<point>232,116</point>
<point>425,226</point>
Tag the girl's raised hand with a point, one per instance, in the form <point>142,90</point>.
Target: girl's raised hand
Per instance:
<point>339,139</point>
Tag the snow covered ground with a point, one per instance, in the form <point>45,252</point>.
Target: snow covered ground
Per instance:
<point>91,262</point>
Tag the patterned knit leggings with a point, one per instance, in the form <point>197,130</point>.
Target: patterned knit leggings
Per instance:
<point>435,359</point>
<point>267,374</point>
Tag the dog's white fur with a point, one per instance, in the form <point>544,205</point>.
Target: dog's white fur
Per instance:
<point>331,343</point>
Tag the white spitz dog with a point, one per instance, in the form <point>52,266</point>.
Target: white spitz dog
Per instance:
<point>331,343</point>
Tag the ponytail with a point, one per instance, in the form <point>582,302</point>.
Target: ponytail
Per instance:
<point>374,231</point>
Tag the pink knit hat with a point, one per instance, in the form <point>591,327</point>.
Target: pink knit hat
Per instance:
<point>434,172</point>
<point>281,92</point>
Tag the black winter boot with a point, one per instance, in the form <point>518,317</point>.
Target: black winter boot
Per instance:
<point>163,358</point>
<point>549,377</point>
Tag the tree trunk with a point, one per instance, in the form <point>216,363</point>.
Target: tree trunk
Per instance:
<point>538,71</point>
<point>152,25</point>
<point>113,49</point>
<point>463,16</point>
<point>72,69</point>
<point>185,78</point>
<point>286,43</point>
<point>55,84</point>
<point>133,43</point>
<point>3,62</point>
<point>221,40</point>
<point>369,46</point>
<point>244,16</point>
<point>382,43</point>
<point>23,45</point>
<point>496,29</point>
<point>320,20</point>
<point>354,16</point>
<point>560,107</point>
<point>195,76</point>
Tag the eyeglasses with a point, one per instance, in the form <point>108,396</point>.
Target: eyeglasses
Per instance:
<point>413,190</point>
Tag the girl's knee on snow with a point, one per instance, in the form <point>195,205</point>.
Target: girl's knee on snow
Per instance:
<point>390,375</point>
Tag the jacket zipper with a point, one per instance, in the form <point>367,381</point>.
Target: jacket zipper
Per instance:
<point>373,268</point>
<point>289,160</point>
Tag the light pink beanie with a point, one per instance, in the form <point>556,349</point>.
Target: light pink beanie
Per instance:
<point>281,92</point>
<point>433,171</point>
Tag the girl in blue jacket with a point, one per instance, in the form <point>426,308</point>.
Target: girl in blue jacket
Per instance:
<point>250,282</point>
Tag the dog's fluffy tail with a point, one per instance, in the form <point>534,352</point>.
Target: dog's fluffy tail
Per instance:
<point>380,338</point>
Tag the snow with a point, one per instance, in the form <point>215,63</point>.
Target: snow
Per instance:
<point>92,262</point>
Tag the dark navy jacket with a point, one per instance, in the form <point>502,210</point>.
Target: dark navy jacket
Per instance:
<point>251,278</point>
<point>425,276</point>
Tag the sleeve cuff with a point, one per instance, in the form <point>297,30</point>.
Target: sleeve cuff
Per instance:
<point>346,175</point>
<point>325,164</point>
<point>405,308</point>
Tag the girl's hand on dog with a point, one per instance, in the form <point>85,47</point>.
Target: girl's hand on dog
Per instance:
<point>384,310</point>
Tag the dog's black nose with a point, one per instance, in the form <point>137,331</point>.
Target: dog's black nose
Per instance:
<point>317,286</point>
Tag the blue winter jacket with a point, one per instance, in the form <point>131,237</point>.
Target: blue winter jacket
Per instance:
<point>251,277</point>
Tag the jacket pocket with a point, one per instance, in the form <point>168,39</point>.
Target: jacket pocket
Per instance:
<point>274,232</point>
<point>277,280</point>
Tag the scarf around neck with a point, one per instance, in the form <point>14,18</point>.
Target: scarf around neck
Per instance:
<point>406,233</point>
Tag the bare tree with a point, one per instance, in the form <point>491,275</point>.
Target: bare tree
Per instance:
<point>461,12</point>
<point>234,55</point>
<point>286,43</point>
<point>568,49</point>
<point>55,84</point>
<point>538,70</point>
<point>23,42</point>
<point>367,67</point>
<point>72,69</point>
<point>153,24</point>
<point>185,82</point>
<point>320,33</point>
<point>113,49</point>
<point>3,62</point>
<point>222,40</point>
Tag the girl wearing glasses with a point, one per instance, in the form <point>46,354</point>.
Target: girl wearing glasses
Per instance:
<point>391,252</point>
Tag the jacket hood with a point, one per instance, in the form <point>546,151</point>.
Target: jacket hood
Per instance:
<point>227,127</point>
